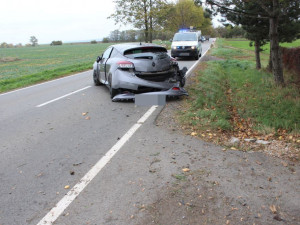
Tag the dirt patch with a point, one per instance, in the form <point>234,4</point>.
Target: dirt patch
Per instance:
<point>9,59</point>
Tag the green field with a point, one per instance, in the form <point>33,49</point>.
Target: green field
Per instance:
<point>20,67</point>
<point>244,44</point>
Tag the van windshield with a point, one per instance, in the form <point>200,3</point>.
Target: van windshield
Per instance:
<point>185,37</point>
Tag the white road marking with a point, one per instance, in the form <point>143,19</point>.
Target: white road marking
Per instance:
<point>46,82</point>
<point>53,100</point>
<point>188,73</point>
<point>60,207</point>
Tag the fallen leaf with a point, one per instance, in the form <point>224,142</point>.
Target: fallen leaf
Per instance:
<point>67,186</point>
<point>186,170</point>
<point>233,148</point>
<point>85,113</point>
<point>194,134</point>
<point>88,118</point>
<point>273,209</point>
<point>258,162</point>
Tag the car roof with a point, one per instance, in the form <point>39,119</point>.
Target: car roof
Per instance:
<point>126,46</point>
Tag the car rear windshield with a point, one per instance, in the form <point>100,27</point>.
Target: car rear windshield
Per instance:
<point>185,37</point>
<point>144,50</point>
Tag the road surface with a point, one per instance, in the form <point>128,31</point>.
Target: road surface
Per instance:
<point>52,134</point>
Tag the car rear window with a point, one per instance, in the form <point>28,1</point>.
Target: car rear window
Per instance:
<point>144,50</point>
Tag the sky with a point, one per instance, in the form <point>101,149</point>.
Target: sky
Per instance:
<point>64,20</point>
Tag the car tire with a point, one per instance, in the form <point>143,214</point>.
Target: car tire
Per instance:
<point>113,92</point>
<point>96,79</point>
<point>182,82</point>
<point>197,56</point>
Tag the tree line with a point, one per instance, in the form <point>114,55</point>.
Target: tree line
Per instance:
<point>154,16</point>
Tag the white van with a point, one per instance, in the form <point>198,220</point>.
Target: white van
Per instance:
<point>187,44</point>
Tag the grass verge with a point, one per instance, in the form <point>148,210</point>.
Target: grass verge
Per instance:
<point>231,97</point>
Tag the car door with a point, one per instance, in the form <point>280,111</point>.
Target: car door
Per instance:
<point>104,59</point>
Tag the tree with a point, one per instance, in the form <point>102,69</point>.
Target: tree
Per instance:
<point>273,11</point>
<point>105,40</point>
<point>34,41</point>
<point>256,28</point>
<point>143,14</point>
<point>185,14</point>
<point>114,36</point>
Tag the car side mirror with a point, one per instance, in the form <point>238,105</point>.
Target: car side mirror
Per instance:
<point>99,59</point>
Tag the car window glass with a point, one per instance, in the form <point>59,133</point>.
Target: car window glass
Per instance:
<point>185,37</point>
<point>144,50</point>
<point>106,53</point>
<point>114,53</point>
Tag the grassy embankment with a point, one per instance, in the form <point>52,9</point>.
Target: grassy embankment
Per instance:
<point>21,67</point>
<point>230,96</point>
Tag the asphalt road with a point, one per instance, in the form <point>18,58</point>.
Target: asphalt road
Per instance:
<point>51,135</point>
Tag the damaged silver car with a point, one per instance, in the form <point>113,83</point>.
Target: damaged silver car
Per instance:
<point>129,69</point>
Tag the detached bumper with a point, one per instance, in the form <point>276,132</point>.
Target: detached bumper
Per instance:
<point>174,91</point>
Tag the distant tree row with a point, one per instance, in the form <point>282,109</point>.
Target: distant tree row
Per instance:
<point>56,43</point>
<point>6,45</point>
<point>136,35</point>
<point>230,31</point>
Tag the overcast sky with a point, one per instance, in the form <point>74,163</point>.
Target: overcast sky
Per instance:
<point>65,20</point>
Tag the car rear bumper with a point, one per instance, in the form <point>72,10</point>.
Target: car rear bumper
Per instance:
<point>184,52</point>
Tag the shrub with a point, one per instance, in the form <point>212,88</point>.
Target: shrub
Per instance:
<point>105,40</point>
<point>94,42</point>
<point>56,43</point>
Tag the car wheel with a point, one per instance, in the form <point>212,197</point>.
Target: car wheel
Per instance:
<point>182,82</point>
<point>113,92</point>
<point>96,78</point>
<point>197,56</point>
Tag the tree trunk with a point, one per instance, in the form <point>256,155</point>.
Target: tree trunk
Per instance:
<point>151,23</point>
<point>146,22</point>
<point>257,54</point>
<point>274,44</point>
<point>270,66</point>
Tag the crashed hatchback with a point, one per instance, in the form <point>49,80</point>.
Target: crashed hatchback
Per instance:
<point>129,69</point>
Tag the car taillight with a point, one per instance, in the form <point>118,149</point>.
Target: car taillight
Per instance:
<point>125,65</point>
<point>176,89</point>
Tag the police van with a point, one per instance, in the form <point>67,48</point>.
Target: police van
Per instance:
<point>187,43</point>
